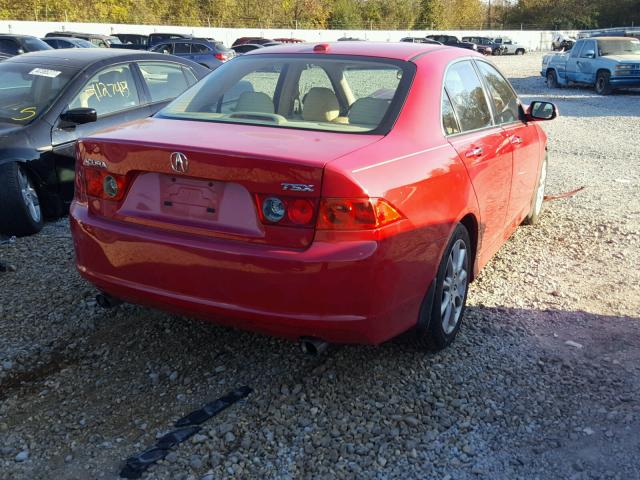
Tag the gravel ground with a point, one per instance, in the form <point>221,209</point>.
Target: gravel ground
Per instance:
<point>81,388</point>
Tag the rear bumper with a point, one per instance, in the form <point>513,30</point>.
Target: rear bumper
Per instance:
<point>343,292</point>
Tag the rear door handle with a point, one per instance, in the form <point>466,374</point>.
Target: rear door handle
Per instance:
<point>516,139</point>
<point>474,152</point>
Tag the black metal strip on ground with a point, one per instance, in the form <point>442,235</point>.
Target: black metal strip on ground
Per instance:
<point>188,426</point>
<point>213,408</point>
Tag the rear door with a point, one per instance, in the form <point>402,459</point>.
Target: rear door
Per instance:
<point>482,146</point>
<point>201,53</point>
<point>522,138</point>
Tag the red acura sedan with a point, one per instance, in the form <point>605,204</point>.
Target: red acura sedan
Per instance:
<point>344,192</point>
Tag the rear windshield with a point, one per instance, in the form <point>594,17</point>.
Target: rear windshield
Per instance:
<point>622,46</point>
<point>35,44</point>
<point>333,93</point>
<point>27,90</point>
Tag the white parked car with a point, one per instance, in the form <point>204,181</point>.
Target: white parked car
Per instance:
<point>509,47</point>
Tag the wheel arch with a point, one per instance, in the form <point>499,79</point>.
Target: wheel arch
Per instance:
<point>470,222</point>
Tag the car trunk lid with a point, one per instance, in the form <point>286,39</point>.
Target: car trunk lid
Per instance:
<point>205,179</point>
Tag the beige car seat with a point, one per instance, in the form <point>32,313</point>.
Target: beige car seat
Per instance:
<point>255,102</point>
<point>368,111</point>
<point>320,105</point>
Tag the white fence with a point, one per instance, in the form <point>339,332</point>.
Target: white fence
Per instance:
<point>532,40</point>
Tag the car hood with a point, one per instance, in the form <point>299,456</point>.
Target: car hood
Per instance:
<point>624,58</point>
<point>9,130</point>
<point>305,147</point>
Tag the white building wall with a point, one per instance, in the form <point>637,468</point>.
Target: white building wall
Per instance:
<point>533,40</point>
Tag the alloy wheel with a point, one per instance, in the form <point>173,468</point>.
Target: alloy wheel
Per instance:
<point>29,196</point>
<point>454,286</point>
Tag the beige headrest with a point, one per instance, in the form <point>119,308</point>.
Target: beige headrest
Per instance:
<point>255,102</point>
<point>320,105</point>
<point>368,111</point>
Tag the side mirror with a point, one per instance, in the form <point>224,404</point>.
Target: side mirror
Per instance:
<point>79,116</point>
<point>542,111</point>
<point>20,51</point>
<point>589,54</point>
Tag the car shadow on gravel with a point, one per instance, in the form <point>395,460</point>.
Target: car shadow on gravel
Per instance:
<point>507,395</point>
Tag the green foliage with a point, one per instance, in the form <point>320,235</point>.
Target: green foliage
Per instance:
<point>336,14</point>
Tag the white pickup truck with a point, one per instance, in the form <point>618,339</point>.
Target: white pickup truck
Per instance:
<point>509,47</point>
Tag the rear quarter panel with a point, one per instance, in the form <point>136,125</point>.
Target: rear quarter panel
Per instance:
<point>417,171</point>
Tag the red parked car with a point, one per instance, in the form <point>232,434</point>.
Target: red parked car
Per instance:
<point>330,193</point>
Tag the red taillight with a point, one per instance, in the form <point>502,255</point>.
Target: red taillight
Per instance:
<point>301,211</point>
<point>355,213</point>
<point>333,214</point>
<point>105,185</point>
<point>223,57</point>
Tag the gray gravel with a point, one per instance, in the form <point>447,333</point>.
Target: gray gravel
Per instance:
<point>81,388</point>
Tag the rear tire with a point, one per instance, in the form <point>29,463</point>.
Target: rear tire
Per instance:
<point>538,197</point>
<point>520,51</point>
<point>603,85</point>
<point>20,212</point>
<point>443,309</point>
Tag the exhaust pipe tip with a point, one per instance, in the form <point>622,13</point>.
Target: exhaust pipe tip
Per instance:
<point>313,346</point>
<point>107,301</point>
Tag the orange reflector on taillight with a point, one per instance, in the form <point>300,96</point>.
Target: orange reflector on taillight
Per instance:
<point>355,213</point>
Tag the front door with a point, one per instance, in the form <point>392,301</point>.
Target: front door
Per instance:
<point>572,70</point>
<point>116,97</point>
<point>585,71</point>
<point>522,139</point>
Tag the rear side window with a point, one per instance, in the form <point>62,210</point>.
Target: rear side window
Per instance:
<point>467,96</point>
<point>503,99</point>
<point>199,48</point>
<point>449,122</point>
<point>164,80</point>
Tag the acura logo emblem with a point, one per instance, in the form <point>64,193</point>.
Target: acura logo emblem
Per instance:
<point>179,162</point>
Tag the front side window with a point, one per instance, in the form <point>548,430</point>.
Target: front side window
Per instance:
<point>503,98</point>
<point>297,92</point>
<point>577,49</point>
<point>27,90</point>
<point>181,49</point>
<point>467,96</point>
<point>164,80</point>
<point>8,46</point>
<point>165,48</point>
<point>589,47</point>
<point>109,91</point>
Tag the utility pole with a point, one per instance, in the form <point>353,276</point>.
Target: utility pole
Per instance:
<point>489,15</point>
